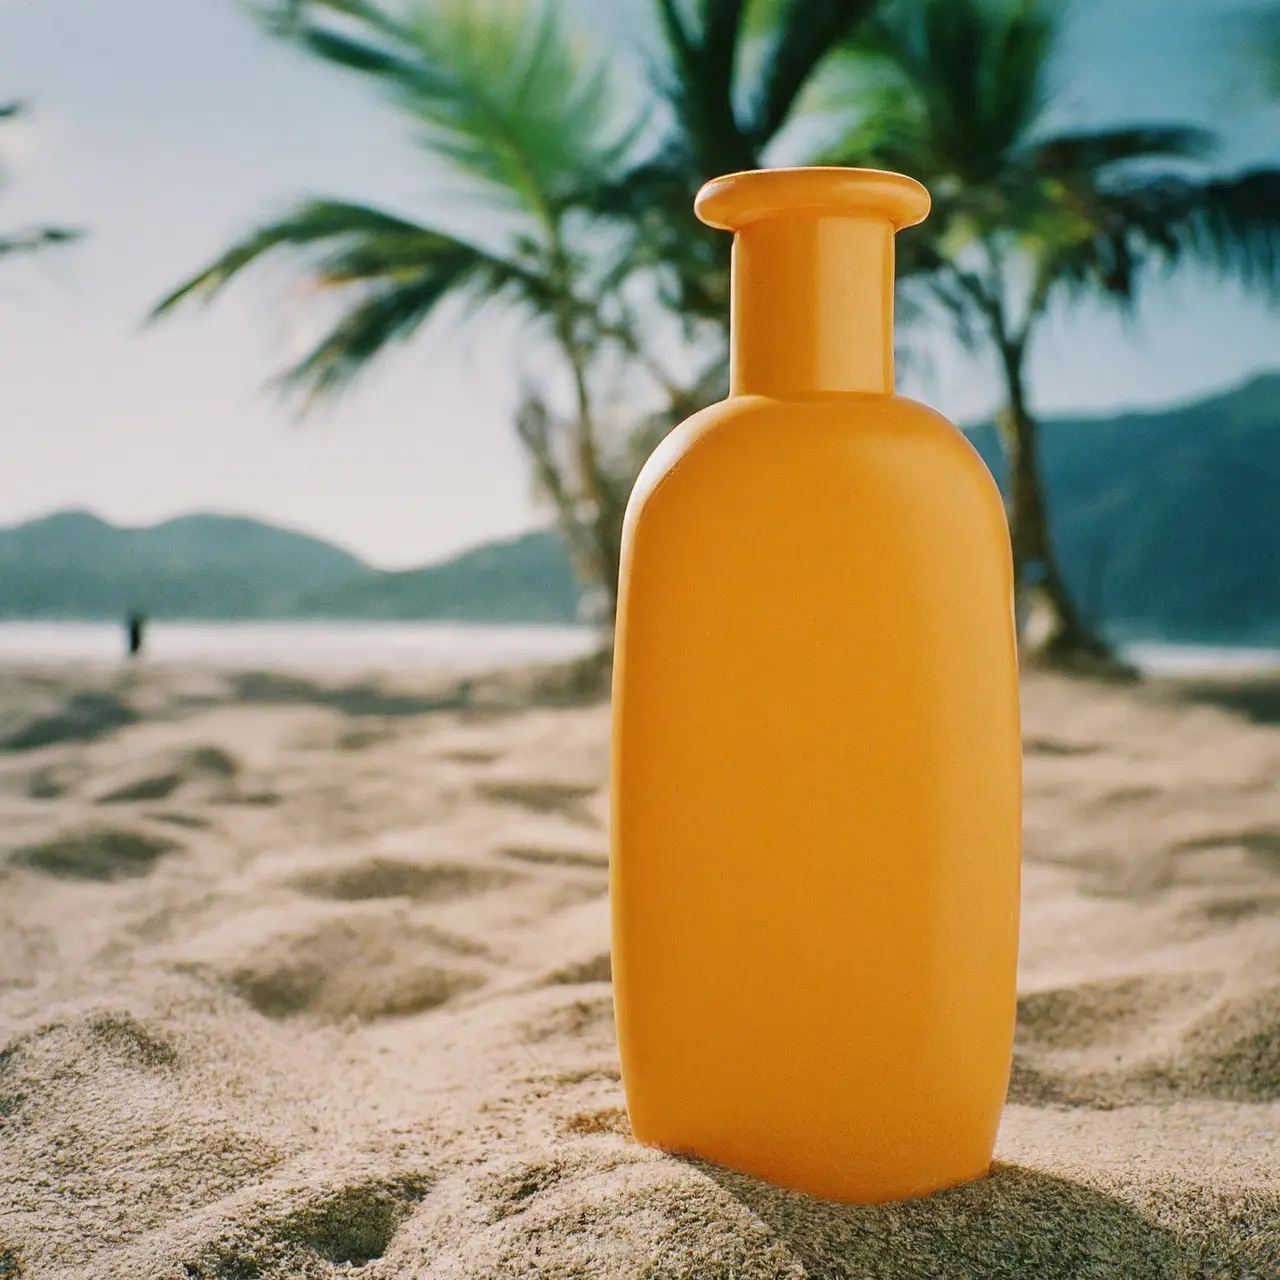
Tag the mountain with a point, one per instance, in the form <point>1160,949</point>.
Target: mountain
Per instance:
<point>74,565</point>
<point>525,579</point>
<point>1167,524</point>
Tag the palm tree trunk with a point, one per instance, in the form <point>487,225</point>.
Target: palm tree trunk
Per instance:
<point>603,554</point>
<point>591,538</point>
<point>604,523</point>
<point>1051,628</point>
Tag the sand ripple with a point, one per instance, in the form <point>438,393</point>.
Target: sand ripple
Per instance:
<point>303,979</point>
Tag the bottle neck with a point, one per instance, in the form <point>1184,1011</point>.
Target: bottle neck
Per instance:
<point>812,306</point>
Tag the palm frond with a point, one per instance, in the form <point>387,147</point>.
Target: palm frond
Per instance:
<point>676,25</point>
<point>1014,86</point>
<point>372,50</point>
<point>878,119</point>
<point>703,137</point>
<point>760,17</point>
<point>396,271</point>
<point>292,17</point>
<point>502,90</point>
<point>1228,225</point>
<point>698,85</point>
<point>957,85</point>
<point>388,309</point>
<point>1075,155</point>
<point>314,223</point>
<point>34,239</point>
<point>31,239</point>
<point>803,33</point>
<point>721,30</point>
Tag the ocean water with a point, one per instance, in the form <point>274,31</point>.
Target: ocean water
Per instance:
<point>328,645</point>
<point>1196,660</point>
<point>366,645</point>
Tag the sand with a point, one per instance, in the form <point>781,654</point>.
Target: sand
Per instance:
<point>310,978</point>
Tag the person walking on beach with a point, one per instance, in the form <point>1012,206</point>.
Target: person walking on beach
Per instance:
<point>135,628</point>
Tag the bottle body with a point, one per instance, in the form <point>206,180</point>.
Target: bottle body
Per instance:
<point>817,797</point>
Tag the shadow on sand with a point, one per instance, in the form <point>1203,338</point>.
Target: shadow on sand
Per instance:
<point>555,684</point>
<point>1016,1223</point>
<point>1255,698</point>
<point>361,699</point>
<point>86,717</point>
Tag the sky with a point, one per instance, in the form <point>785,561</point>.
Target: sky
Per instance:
<point>168,128</point>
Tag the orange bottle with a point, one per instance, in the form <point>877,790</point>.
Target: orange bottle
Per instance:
<point>816,756</point>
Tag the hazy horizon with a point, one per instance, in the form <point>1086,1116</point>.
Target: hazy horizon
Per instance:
<point>167,131</point>
<point>541,521</point>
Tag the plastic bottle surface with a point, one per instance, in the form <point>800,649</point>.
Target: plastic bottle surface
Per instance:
<point>816,757</point>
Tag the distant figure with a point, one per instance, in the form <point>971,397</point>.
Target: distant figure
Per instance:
<point>136,625</point>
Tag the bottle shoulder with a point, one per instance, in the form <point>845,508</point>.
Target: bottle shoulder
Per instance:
<point>862,433</point>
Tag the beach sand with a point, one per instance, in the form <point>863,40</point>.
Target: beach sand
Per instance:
<point>310,978</point>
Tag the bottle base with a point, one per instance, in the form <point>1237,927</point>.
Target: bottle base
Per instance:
<point>833,1185</point>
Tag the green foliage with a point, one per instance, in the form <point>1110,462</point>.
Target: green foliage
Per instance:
<point>396,272</point>
<point>727,106</point>
<point>733,76</point>
<point>502,90</point>
<point>30,239</point>
<point>953,87</point>
<point>956,93</point>
<point>595,202</point>
<point>804,37</point>
<point>504,95</point>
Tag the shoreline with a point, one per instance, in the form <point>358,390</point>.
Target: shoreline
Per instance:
<point>367,647</point>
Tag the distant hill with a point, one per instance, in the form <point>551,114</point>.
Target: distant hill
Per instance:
<point>525,579</point>
<point>1168,526</point>
<point>74,565</point>
<point>1168,523</point>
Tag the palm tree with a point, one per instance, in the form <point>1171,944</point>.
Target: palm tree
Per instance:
<point>501,92</point>
<point>732,75</point>
<point>30,239</point>
<point>1259,47</point>
<point>1267,49</point>
<point>957,93</point>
